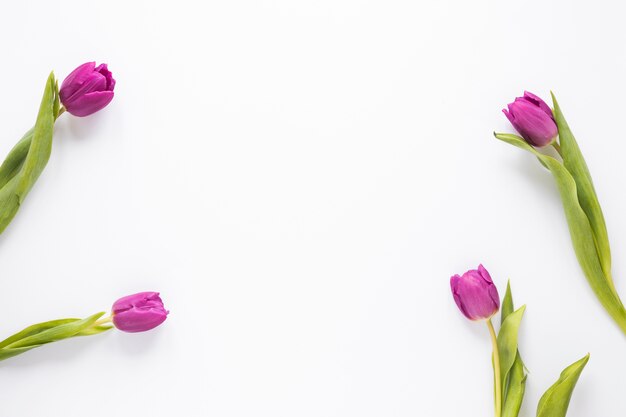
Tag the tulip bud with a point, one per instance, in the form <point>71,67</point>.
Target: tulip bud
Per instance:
<point>87,89</point>
<point>139,312</point>
<point>533,119</point>
<point>475,294</point>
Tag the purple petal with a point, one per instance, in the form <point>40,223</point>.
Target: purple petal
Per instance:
<point>536,100</point>
<point>89,103</point>
<point>108,75</point>
<point>73,81</point>
<point>94,82</point>
<point>134,321</point>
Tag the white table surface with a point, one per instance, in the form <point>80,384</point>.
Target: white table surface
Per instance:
<point>300,179</point>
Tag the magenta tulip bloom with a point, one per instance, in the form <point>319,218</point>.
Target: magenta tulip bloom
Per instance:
<point>87,89</point>
<point>533,119</point>
<point>475,294</point>
<point>139,312</point>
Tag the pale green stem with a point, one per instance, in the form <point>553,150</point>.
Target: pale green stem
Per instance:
<point>556,146</point>
<point>103,321</point>
<point>496,368</point>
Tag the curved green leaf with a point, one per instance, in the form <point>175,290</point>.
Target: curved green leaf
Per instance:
<point>507,304</point>
<point>507,343</point>
<point>50,331</point>
<point>33,330</point>
<point>514,384</point>
<point>56,333</point>
<point>19,173</point>
<point>9,353</point>
<point>556,399</point>
<point>41,145</point>
<point>580,231</point>
<point>15,159</point>
<point>575,163</point>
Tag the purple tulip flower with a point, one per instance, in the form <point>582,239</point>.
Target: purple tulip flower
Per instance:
<point>533,119</point>
<point>87,89</point>
<point>139,312</point>
<point>475,294</point>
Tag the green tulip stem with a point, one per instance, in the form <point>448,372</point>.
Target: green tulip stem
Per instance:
<point>496,368</point>
<point>61,111</point>
<point>105,320</point>
<point>555,145</point>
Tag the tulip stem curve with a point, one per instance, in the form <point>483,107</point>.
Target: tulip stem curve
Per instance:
<point>557,147</point>
<point>496,368</point>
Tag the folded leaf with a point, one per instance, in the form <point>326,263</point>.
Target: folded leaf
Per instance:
<point>17,175</point>
<point>50,331</point>
<point>41,145</point>
<point>9,353</point>
<point>56,333</point>
<point>514,384</point>
<point>575,163</point>
<point>556,399</point>
<point>507,343</point>
<point>33,330</point>
<point>580,231</point>
<point>507,304</point>
<point>15,159</point>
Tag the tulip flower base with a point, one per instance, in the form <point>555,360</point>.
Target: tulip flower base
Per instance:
<point>478,300</point>
<point>582,209</point>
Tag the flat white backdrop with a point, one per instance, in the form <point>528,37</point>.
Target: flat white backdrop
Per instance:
<point>300,180</point>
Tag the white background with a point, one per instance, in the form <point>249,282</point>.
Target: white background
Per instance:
<point>299,179</point>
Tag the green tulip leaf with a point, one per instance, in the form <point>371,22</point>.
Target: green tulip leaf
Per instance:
<point>50,331</point>
<point>575,163</point>
<point>507,343</point>
<point>33,330</point>
<point>56,333</point>
<point>15,159</point>
<point>581,231</point>
<point>507,304</point>
<point>19,172</point>
<point>515,383</point>
<point>41,145</point>
<point>556,399</point>
<point>516,386</point>
<point>9,353</point>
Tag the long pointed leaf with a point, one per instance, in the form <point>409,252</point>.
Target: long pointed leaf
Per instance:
<point>15,159</point>
<point>575,163</point>
<point>580,231</point>
<point>18,177</point>
<point>514,385</point>
<point>555,401</point>
<point>9,353</point>
<point>50,331</point>
<point>507,304</point>
<point>507,343</point>
<point>41,145</point>
<point>34,329</point>
<point>57,333</point>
